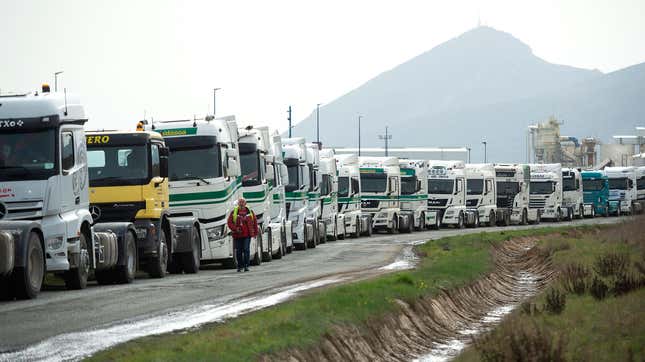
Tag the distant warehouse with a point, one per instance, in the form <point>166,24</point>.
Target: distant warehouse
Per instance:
<point>419,153</point>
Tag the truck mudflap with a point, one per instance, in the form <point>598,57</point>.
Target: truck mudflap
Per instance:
<point>120,229</point>
<point>13,243</point>
<point>589,210</point>
<point>182,231</point>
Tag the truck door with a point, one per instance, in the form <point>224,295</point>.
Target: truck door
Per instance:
<point>460,193</point>
<point>74,183</point>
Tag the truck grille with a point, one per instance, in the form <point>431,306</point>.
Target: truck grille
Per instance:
<point>369,204</point>
<point>505,202</point>
<point>537,203</point>
<point>17,210</point>
<point>437,202</point>
<point>116,211</point>
<point>590,198</point>
<point>472,202</point>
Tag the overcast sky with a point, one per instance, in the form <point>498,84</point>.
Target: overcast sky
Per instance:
<point>165,57</point>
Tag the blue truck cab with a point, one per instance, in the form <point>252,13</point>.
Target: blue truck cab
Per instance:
<point>595,187</point>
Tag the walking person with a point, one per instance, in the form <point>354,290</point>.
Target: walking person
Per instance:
<point>244,226</point>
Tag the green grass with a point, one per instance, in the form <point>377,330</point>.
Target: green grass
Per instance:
<point>611,329</point>
<point>446,263</point>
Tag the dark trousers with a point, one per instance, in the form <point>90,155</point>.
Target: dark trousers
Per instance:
<point>243,252</point>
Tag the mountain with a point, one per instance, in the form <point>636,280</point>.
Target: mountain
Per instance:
<point>484,84</point>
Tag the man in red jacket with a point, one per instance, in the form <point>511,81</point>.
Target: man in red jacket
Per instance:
<point>244,226</point>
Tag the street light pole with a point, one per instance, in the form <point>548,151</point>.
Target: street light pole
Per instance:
<point>359,135</point>
<point>386,137</point>
<point>289,118</point>
<point>485,156</point>
<point>56,80</point>
<point>318,123</point>
<point>215,100</point>
<point>468,148</point>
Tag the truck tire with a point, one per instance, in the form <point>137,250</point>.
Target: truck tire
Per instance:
<point>190,261</point>
<point>76,278</point>
<point>314,241</point>
<point>158,265</point>
<point>28,280</point>
<point>343,231</point>
<point>267,256</point>
<point>395,225</point>
<point>460,222</point>
<point>525,217</point>
<point>125,273</point>
<point>581,212</point>
<point>357,229</point>
<point>256,258</point>
<point>491,219</point>
<point>323,234</point>
<point>370,229</point>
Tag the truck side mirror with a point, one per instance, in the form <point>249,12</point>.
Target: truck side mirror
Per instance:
<point>233,167</point>
<point>270,175</point>
<point>163,162</point>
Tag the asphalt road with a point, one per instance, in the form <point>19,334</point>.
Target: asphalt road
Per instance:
<point>55,312</point>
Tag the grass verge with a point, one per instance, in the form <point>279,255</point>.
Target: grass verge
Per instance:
<point>445,263</point>
<point>593,312</point>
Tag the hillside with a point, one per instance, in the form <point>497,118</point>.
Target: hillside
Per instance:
<point>482,84</point>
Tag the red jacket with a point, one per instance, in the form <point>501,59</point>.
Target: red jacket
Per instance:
<point>243,223</point>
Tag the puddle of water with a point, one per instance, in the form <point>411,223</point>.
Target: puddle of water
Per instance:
<point>447,350</point>
<point>406,260</point>
<point>77,345</point>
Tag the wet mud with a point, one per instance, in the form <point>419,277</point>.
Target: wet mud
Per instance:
<point>438,328</point>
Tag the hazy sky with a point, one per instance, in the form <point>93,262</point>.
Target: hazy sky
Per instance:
<point>165,57</point>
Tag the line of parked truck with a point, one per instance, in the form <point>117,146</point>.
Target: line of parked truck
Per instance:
<point>106,204</point>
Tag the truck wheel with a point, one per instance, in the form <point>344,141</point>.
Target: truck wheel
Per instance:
<point>125,273</point>
<point>370,229</point>
<point>323,235</point>
<point>491,219</point>
<point>422,222</point>
<point>256,258</point>
<point>29,279</point>
<point>190,260</point>
<point>314,237</point>
<point>76,278</point>
<point>343,232</point>
<point>460,222</point>
<point>525,217</point>
<point>158,265</point>
<point>395,225</point>
<point>267,256</point>
<point>581,212</point>
<point>357,229</point>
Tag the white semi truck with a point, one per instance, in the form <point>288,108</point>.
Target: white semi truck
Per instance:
<point>623,191</point>
<point>380,193</point>
<point>481,192</point>
<point>640,186</point>
<point>329,194</point>
<point>313,195</point>
<point>277,177</point>
<point>513,182</point>
<point>45,223</point>
<point>447,193</point>
<point>256,189</point>
<point>205,184</point>
<point>414,194</point>
<point>546,192</point>
<point>572,194</point>
<point>353,221</point>
<point>304,224</point>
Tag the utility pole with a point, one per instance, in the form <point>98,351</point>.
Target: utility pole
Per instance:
<point>56,80</point>
<point>359,135</point>
<point>485,156</point>
<point>318,123</point>
<point>215,100</point>
<point>468,148</point>
<point>289,118</point>
<point>386,137</point>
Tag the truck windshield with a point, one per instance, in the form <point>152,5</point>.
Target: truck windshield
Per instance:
<point>569,184</point>
<point>325,185</point>
<point>440,186</point>
<point>343,186</point>
<point>194,158</point>
<point>295,177</point>
<point>250,163</point>
<point>542,188</point>
<point>475,186</point>
<point>408,185</point>
<point>593,185</point>
<point>29,155</point>
<point>118,165</point>
<point>373,182</point>
<point>508,188</point>
<point>618,183</point>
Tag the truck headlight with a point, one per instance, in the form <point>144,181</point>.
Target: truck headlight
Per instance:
<point>55,243</point>
<point>215,233</point>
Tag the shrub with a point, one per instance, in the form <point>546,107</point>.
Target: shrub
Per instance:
<point>555,301</point>
<point>529,308</point>
<point>573,278</point>
<point>598,288</point>
<point>611,264</point>
<point>625,282</point>
<point>520,341</point>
